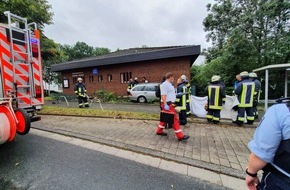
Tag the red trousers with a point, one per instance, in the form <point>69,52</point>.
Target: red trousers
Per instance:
<point>176,125</point>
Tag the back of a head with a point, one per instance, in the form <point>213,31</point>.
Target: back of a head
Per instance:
<point>168,75</point>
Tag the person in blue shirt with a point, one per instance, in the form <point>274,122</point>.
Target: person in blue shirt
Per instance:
<point>270,150</point>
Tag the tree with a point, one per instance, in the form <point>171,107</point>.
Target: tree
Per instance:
<point>265,23</point>
<point>82,50</point>
<point>37,11</point>
<point>245,35</point>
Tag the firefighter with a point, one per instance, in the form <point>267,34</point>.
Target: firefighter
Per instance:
<point>80,91</point>
<point>183,77</point>
<point>254,78</point>
<point>216,98</point>
<point>245,91</point>
<point>181,100</point>
<point>130,86</point>
<point>270,150</point>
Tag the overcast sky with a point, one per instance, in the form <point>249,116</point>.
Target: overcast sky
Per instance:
<point>128,23</point>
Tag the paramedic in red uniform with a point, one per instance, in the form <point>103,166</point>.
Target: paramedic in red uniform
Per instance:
<point>168,97</point>
<point>80,91</point>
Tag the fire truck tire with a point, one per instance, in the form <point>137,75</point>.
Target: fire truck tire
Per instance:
<point>12,122</point>
<point>23,125</point>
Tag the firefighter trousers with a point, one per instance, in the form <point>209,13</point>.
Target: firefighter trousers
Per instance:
<point>241,115</point>
<point>83,101</point>
<point>213,115</point>
<point>182,117</point>
<point>176,126</point>
<point>188,111</point>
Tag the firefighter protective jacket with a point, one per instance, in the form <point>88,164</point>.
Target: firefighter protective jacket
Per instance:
<point>257,89</point>
<point>80,90</point>
<point>245,91</point>
<point>189,92</point>
<point>181,96</point>
<point>216,95</point>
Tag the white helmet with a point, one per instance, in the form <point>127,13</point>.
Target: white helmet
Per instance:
<point>80,79</point>
<point>183,77</point>
<point>244,74</point>
<point>253,75</point>
<point>215,78</point>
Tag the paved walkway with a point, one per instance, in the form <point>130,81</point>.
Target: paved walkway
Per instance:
<point>219,148</point>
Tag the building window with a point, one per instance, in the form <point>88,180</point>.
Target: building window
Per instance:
<point>91,79</point>
<point>109,77</point>
<point>100,78</point>
<point>75,77</point>
<point>125,77</point>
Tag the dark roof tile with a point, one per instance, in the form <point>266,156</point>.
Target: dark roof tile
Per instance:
<point>130,55</point>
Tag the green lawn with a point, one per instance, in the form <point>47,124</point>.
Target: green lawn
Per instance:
<point>56,110</point>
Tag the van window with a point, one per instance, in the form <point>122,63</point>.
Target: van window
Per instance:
<point>138,88</point>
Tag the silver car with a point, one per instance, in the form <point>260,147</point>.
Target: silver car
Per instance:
<point>143,92</point>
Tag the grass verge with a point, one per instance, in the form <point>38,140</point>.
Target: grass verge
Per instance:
<point>65,111</point>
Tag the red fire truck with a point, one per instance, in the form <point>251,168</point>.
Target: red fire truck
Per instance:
<point>21,86</point>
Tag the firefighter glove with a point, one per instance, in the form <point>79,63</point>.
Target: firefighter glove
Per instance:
<point>166,107</point>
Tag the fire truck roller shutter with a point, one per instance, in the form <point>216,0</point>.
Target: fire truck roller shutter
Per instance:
<point>8,123</point>
<point>23,125</point>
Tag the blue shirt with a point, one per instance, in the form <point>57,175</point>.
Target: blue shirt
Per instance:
<point>168,89</point>
<point>273,128</point>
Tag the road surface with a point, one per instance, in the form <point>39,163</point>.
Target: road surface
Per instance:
<point>35,162</point>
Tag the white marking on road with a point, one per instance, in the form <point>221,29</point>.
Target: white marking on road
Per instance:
<point>212,177</point>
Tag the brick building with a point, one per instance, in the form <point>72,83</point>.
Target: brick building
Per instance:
<point>112,72</point>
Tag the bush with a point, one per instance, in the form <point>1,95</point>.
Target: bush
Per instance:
<point>106,96</point>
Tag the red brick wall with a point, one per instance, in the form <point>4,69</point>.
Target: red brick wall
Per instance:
<point>152,70</point>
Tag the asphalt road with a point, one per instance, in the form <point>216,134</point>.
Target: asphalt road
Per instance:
<point>34,162</point>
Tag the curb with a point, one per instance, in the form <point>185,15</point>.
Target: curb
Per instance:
<point>154,153</point>
<point>190,119</point>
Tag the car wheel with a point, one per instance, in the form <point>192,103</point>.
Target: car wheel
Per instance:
<point>142,99</point>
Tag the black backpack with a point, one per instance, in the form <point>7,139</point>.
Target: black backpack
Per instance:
<point>158,91</point>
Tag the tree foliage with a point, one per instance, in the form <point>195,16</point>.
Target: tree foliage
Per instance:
<point>245,35</point>
<point>37,11</point>
<point>82,50</point>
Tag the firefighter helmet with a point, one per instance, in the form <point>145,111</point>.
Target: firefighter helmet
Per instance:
<point>183,77</point>
<point>253,75</point>
<point>215,78</point>
<point>244,74</point>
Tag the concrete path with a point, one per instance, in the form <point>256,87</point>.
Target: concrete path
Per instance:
<point>218,148</point>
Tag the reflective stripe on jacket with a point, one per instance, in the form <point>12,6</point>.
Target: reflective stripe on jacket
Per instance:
<point>80,89</point>
<point>245,91</point>
<point>216,96</point>
<point>181,99</point>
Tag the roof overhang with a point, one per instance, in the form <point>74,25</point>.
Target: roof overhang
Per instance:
<point>191,51</point>
<point>285,66</point>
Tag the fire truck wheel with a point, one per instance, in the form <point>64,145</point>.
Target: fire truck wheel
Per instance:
<point>12,122</point>
<point>23,125</point>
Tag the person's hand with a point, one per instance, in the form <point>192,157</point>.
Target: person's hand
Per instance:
<point>166,107</point>
<point>252,182</point>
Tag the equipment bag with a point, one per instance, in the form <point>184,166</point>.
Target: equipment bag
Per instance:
<point>167,117</point>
